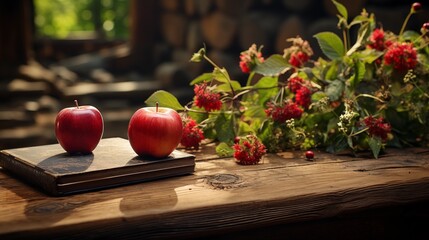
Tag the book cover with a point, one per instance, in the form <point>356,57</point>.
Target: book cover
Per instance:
<point>112,163</point>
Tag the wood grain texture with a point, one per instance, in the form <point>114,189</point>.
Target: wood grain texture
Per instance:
<point>221,197</point>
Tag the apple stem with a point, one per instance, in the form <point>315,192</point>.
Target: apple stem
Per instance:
<point>77,104</point>
<point>156,106</point>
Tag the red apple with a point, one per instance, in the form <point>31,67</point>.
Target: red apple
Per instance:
<point>79,129</point>
<point>155,131</point>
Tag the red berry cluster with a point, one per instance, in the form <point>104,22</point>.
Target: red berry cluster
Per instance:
<point>378,41</point>
<point>377,127</point>
<point>192,135</point>
<point>403,56</point>
<point>250,58</point>
<point>248,150</point>
<point>303,97</point>
<point>206,99</point>
<point>295,83</point>
<point>297,59</point>
<point>299,53</point>
<point>301,91</point>
<point>280,114</point>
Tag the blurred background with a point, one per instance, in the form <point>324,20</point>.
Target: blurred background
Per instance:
<point>113,54</point>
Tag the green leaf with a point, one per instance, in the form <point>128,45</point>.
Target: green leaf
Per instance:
<point>202,78</point>
<point>410,35</point>
<point>335,90</point>
<point>198,115</point>
<point>358,20</point>
<point>273,66</point>
<point>265,131</point>
<point>223,150</point>
<point>358,75</point>
<point>224,128</point>
<point>375,145</point>
<point>267,88</point>
<point>221,75</point>
<point>226,87</point>
<point>317,96</point>
<point>331,45</point>
<point>164,99</point>
<point>332,124</point>
<point>339,143</point>
<point>244,128</point>
<point>254,111</point>
<point>341,9</point>
<point>369,55</point>
<point>331,72</point>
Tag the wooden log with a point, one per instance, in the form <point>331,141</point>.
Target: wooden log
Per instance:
<point>64,73</point>
<point>28,89</point>
<point>83,64</point>
<point>259,28</point>
<point>174,27</point>
<point>48,104</point>
<point>290,27</point>
<point>233,8</point>
<point>16,118</point>
<point>129,90</point>
<point>171,75</point>
<point>219,30</point>
<point>197,7</point>
<point>100,75</point>
<point>36,72</point>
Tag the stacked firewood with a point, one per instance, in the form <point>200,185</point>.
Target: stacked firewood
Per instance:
<point>228,27</point>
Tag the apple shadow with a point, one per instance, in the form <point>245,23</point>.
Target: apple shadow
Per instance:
<point>65,163</point>
<point>138,159</point>
<point>152,197</point>
<point>147,201</point>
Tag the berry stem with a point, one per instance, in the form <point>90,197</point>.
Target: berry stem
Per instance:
<point>405,23</point>
<point>156,106</point>
<point>76,103</point>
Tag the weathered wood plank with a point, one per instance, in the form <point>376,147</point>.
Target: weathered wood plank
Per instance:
<point>221,196</point>
<point>130,89</point>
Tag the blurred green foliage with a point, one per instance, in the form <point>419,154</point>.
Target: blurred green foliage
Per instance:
<point>62,19</point>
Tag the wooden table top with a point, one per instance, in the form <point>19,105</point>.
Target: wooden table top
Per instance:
<point>219,196</point>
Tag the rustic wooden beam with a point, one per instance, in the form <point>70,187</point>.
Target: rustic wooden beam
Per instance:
<point>144,32</point>
<point>16,35</point>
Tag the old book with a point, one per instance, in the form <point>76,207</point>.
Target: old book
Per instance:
<point>112,163</point>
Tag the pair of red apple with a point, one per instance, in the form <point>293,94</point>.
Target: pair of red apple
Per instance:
<point>152,131</point>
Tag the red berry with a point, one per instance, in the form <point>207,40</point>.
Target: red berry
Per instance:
<point>236,140</point>
<point>426,25</point>
<point>416,7</point>
<point>309,155</point>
